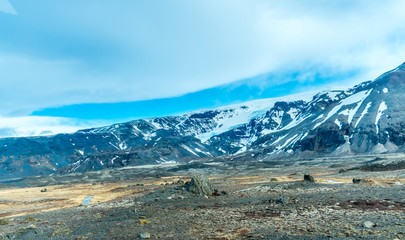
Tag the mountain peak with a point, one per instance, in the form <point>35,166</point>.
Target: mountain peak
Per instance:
<point>386,78</point>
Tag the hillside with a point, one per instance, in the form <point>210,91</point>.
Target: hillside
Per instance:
<point>366,119</point>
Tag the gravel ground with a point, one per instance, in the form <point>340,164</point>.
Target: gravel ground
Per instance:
<point>266,202</point>
<point>273,210</point>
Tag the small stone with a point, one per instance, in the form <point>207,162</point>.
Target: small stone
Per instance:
<point>278,201</point>
<point>308,178</point>
<point>32,226</point>
<point>4,222</point>
<point>359,180</point>
<point>368,224</point>
<point>216,193</point>
<point>143,221</point>
<point>144,235</point>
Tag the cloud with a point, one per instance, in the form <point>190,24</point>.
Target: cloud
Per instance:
<point>41,126</point>
<point>101,51</point>
<point>6,7</point>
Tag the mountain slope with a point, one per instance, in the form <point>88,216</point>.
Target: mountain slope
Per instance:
<point>369,118</point>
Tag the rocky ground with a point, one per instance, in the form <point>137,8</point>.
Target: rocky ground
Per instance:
<point>253,201</point>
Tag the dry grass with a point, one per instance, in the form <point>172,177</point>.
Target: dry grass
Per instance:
<point>22,201</point>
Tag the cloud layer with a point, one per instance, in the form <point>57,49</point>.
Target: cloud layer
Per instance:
<point>6,7</point>
<point>35,126</point>
<point>62,53</point>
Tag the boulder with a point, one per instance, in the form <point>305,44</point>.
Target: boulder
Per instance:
<point>308,178</point>
<point>359,180</point>
<point>199,185</point>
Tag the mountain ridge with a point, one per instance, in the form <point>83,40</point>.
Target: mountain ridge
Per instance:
<point>367,118</point>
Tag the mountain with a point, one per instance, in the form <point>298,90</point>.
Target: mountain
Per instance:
<point>368,118</point>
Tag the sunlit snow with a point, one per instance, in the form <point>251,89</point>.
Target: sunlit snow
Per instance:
<point>381,109</point>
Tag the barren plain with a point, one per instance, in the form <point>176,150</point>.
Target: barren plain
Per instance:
<point>262,200</point>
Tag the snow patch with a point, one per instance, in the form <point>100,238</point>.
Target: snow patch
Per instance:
<point>149,136</point>
<point>243,149</point>
<point>365,111</point>
<point>357,98</point>
<point>293,112</point>
<point>332,95</point>
<point>289,142</point>
<point>199,150</point>
<point>295,122</point>
<point>189,149</point>
<point>381,109</point>
<point>122,146</point>
<point>232,116</point>
<point>304,136</point>
<point>337,122</point>
<point>279,139</point>
<point>319,117</point>
<point>113,159</point>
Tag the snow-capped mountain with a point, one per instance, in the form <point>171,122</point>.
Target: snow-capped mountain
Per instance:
<point>368,118</point>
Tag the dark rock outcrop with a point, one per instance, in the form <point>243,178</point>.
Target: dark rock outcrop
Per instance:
<point>200,185</point>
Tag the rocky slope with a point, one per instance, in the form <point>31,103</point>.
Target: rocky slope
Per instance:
<point>369,118</point>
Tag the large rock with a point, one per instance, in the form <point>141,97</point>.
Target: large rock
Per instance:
<point>358,180</point>
<point>199,185</point>
<point>308,178</point>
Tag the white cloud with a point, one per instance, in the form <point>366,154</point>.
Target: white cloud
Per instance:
<point>41,126</point>
<point>6,7</point>
<point>139,50</point>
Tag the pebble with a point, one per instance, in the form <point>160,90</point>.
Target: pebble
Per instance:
<point>144,235</point>
<point>32,226</point>
<point>368,224</point>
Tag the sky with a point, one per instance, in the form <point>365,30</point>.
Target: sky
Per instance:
<point>66,65</point>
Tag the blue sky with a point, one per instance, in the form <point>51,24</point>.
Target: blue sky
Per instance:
<point>71,64</point>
